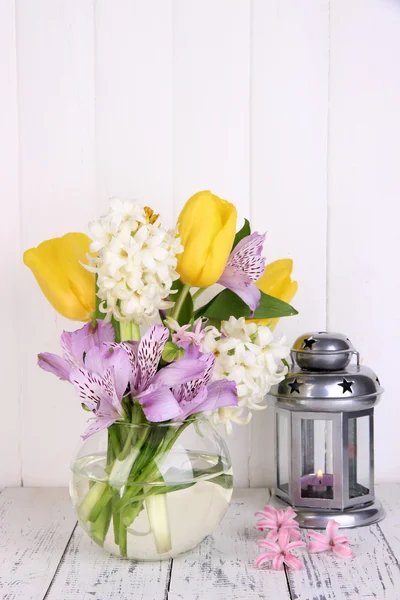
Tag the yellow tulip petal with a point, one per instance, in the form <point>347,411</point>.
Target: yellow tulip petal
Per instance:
<point>277,282</point>
<point>67,285</point>
<point>207,226</point>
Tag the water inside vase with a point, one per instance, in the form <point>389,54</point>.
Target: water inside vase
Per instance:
<point>198,490</point>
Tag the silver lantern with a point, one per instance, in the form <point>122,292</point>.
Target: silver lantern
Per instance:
<point>325,434</point>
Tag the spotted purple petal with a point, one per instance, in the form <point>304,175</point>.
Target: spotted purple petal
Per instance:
<point>131,350</point>
<point>247,256</point>
<point>245,265</point>
<point>110,356</point>
<point>189,403</point>
<point>236,281</point>
<point>149,353</point>
<point>189,390</point>
<point>90,387</point>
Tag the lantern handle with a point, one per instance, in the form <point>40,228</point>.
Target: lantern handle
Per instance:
<point>358,357</point>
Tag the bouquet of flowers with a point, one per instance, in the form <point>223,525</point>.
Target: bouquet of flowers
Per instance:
<point>144,383</point>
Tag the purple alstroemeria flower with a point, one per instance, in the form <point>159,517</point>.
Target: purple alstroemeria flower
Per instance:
<point>103,382</point>
<point>245,265</point>
<point>193,396</point>
<point>100,394</point>
<point>101,370</point>
<point>74,346</point>
<point>152,387</point>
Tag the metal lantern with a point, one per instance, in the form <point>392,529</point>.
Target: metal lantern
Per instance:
<point>325,434</point>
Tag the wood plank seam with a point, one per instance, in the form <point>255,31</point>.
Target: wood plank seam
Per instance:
<point>60,561</point>
<point>168,582</point>
<point>288,582</point>
<point>391,551</point>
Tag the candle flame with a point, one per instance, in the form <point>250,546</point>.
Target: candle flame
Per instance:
<point>320,474</point>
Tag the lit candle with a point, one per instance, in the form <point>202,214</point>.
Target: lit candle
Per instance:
<point>317,483</point>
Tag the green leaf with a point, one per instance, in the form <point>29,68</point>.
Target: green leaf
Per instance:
<point>228,304</point>
<point>203,309</point>
<point>99,314</point>
<point>186,312</point>
<point>245,231</point>
<point>172,352</point>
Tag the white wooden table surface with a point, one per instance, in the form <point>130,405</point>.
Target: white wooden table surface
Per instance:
<point>43,555</point>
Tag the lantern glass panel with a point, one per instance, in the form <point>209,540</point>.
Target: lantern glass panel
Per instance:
<point>317,458</point>
<point>359,456</point>
<point>282,450</point>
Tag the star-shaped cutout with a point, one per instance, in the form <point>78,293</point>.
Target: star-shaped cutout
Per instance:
<point>294,386</point>
<point>346,385</point>
<point>308,343</point>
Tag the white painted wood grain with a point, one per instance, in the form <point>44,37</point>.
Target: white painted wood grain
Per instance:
<point>134,102</point>
<point>35,526</point>
<point>223,565</point>
<point>159,99</point>
<point>289,140</point>
<point>55,50</point>
<point>373,573</point>
<point>211,104</point>
<point>10,433</point>
<point>88,573</point>
<point>364,188</point>
<point>389,495</point>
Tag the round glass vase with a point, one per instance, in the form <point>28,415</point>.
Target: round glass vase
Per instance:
<point>151,491</point>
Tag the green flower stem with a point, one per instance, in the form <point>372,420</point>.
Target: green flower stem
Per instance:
<point>115,518</point>
<point>180,300</point>
<point>198,293</point>
<point>135,332</point>
<point>129,331</point>
<point>101,504</point>
<point>92,497</point>
<point>99,529</point>
<point>123,542</point>
<point>157,511</point>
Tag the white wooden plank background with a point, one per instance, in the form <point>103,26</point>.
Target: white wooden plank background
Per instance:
<point>158,99</point>
<point>10,248</point>
<point>133,74</point>
<point>89,573</point>
<point>56,121</point>
<point>35,526</point>
<point>364,153</point>
<point>43,556</point>
<point>289,92</point>
<point>211,120</point>
<point>223,565</point>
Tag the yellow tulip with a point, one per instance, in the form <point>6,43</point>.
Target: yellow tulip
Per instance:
<point>277,282</point>
<point>67,285</point>
<point>207,226</point>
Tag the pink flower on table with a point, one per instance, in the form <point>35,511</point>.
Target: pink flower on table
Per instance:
<point>277,521</point>
<point>280,552</point>
<point>338,544</point>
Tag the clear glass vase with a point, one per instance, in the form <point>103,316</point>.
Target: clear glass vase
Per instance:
<point>152,491</point>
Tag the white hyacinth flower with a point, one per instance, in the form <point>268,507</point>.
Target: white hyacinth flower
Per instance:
<point>247,354</point>
<point>135,261</point>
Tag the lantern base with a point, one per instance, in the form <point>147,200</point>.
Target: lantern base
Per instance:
<point>316,518</point>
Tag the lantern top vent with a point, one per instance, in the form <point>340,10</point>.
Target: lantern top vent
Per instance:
<point>323,351</point>
<point>324,378</point>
